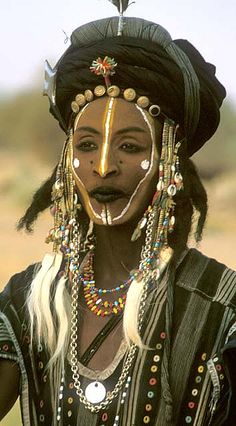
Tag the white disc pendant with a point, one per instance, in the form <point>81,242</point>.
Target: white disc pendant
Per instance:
<point>95,392</point>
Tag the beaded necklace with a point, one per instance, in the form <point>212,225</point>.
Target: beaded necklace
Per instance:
<point>93,295</point>
<point>95,396</point>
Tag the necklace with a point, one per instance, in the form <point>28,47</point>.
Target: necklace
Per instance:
<point>145,272</point>
<point>93,295</point>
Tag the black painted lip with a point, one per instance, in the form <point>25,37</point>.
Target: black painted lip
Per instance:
<point>105,194</point>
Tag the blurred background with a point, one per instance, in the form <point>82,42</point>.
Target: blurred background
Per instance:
<point>30,140</point>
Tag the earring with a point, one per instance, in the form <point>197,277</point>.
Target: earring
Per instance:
<point>169,182</point>
<point>65,234</point>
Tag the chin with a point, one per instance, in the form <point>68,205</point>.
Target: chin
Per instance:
<point>117,212</point>
<point>105,213</point>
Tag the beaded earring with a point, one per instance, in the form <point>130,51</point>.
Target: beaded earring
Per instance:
<point>65,234</point>
<point>162,208</point>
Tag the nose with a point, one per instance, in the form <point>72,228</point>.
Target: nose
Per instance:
<point>106,165</point>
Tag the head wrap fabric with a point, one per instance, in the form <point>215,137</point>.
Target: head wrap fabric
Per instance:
<point>172,74</point>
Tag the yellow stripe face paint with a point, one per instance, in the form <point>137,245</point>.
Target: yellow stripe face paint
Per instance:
<point>103,165</point>
<point>106,142</point>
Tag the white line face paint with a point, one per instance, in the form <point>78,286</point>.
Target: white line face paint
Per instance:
<point>108,119</point>
<point>109,218</point>
<point>153,156</point>
<point>104,217</point>
<point>79,116</point>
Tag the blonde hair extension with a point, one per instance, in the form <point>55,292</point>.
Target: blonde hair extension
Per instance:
<point>62,304</point>
<point>132,306</point>
<point>131,314</point>
<point>39,299</point>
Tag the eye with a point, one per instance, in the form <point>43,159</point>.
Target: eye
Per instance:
<point>86,146</point>
<point>130,147</point>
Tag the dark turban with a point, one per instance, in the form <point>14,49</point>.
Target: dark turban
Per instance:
<point>172,74</point>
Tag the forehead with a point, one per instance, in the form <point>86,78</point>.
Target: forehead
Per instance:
<point>124,113</point>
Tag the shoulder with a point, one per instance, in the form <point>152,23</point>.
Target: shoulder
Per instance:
<point>15,291</point>
<point>208,277</point>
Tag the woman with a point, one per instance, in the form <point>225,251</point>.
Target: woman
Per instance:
<point>123,324</point>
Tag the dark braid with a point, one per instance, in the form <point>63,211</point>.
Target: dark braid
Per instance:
<point>40,202</point>
<point>198,197</point>
<point>192,198</point>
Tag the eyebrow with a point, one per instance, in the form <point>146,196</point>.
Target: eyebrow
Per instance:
<point>119,132</point>
<point>130,129</point>
<point>88,129</point>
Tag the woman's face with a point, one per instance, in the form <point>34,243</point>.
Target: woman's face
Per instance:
<point>115,160</point>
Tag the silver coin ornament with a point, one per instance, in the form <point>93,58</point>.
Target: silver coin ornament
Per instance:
<point>95,392</point>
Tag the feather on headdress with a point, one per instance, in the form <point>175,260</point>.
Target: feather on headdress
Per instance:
<point>121,5</point>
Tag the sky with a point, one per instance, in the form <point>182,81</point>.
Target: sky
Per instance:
<point>34,30</point>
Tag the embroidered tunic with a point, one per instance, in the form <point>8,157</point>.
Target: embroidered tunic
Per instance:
<point>202,363</point>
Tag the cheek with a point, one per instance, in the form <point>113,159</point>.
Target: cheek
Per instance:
<point>144,180</point>
<point>83,167</point>
<point>135,176</point>
<point>136,167</point>
<point>144,171</point>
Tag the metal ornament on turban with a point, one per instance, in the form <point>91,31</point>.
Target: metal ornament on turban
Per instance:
<point>172,73</point>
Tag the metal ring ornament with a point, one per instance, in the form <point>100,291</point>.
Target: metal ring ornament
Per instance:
<point>154,110</point>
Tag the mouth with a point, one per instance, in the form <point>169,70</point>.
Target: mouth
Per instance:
<point>106,194</point>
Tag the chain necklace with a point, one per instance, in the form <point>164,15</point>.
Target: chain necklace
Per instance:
<point>104,399</point>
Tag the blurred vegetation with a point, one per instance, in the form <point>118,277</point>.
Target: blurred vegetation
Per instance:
<point>26,125</point>
<point>218,155</point>
<point>30,144</point>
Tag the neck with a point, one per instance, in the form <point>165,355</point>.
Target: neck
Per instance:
<point>115,254</point>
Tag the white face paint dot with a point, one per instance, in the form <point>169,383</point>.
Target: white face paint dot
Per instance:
<point>145,164</point>
<point>76,163</point>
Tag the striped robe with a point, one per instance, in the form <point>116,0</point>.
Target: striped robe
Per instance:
<point>202,363</point>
